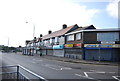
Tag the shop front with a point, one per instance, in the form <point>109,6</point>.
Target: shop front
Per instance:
<point>101,52</point>
<point>73,51</point>
<point>58,50</point>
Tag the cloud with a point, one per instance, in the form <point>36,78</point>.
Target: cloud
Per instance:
<point>112,9</point>
<point>45,14</point>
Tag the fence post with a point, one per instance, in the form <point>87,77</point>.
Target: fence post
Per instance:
<point>17,73</point>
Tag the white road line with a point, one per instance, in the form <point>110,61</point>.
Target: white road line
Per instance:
<point>37,60</point>
<point>55,67</point>
<point>65,68</point>
<point>95,72</point>
<point>111,72</point>
<point>92,70</point>
<point>115,77</point>
<point>83,76</point>
<point>86,74</point>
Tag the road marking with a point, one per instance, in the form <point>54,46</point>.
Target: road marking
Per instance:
<point>116,77</point>
<point>86,74</point>
<point>92,70</point>
<point>55,67</point>
<point>111,72</point>
<point>87,77</point>
<point>66,68</point>
<point>37,60</point>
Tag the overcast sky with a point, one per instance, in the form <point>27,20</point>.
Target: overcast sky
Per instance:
<point>51,15</point>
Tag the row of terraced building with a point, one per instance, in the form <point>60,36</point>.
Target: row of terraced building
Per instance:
<point>83,43</point>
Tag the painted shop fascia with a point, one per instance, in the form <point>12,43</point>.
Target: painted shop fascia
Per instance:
<point>100,46</point>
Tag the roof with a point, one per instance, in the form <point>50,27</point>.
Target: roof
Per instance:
<point>102,30</point>
<point>96,30</point>
<point>85,28</point>
<point>90,27</point>
<point>59,32</point>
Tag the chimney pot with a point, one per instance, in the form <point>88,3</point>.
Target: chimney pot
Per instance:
<point>49,32</point>
<point>64,26</point>
<point>40,35</point>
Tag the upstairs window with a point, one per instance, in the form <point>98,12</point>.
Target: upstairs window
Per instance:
<point>78,36</point>
<point>70,38</point>
<point>61,40</point>
<point>56,39</point>
<point>109,37</point>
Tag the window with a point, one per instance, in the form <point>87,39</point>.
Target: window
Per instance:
<point>56,39</point>
<point>61,40</point>
<point>46,42</point>
<point>78,36</point>
<point>109,37</point>
<point>70,37</point>
<point>52,41</point>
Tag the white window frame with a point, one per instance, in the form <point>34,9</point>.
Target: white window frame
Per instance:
<point>78,36</point>
<point>70,37</point>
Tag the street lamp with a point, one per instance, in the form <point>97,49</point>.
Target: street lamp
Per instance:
<point>8,41</point>
<point>33,29</point>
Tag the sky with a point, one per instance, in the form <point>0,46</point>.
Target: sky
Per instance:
<point>48,15</point>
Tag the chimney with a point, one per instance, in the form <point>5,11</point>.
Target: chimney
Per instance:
<point>34,37</point>
<point>49,32</point>
<point>40,35</point>
<point>64,26</point>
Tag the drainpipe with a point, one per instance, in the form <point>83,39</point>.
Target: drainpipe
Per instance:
<point>99,53</point>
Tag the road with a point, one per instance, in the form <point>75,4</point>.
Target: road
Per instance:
<point>58,70</point>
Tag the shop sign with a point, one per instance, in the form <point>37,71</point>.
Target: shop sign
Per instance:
<point>91,45</point>
<point>68,45</point>
<point>102,45</point>
<point>58,46</point>
<point>116,45</point>
<point>77,45</point>
<point>105,46</point>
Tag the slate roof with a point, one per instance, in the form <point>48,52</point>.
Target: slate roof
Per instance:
<point>58,33</point>
<point>90,27</point>
<point>85,28</point>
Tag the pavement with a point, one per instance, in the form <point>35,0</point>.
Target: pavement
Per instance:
<point>77,60</point>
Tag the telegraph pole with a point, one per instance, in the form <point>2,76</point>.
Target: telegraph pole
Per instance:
<point>33,30</point>
<point>8,41</point>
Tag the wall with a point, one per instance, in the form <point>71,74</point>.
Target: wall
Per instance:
<point>90,37</point>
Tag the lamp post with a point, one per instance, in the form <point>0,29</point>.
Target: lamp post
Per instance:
<point>8,41</point>
<point>33,29</point>
<point>33,38</point>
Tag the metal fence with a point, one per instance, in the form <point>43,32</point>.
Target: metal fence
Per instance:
<point>19,73</point>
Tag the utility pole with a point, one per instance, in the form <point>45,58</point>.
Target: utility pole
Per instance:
<point>8,41</point>
<point>33,30</point>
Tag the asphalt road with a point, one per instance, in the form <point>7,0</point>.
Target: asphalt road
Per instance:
<point>58,70</point>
